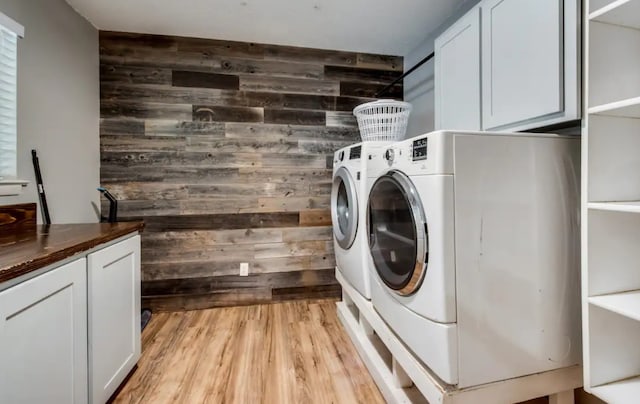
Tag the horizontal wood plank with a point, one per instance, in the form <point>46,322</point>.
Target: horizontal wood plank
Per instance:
<point>125,92</point>
<point>294,117</point>
<point>110,143</point>
<point>310,55</point>
<point>219,47</point>
<point>213,113</point>
<point>306,292</point>
<point>282,190</point>
<point>369,90</point>
<point>203,238</point>
<point>221,222</point>
<point>292,264</point>
<point>134,74</point>
<point>116,126</point>
<point>223,298</point>
<point>311,231</point>
<point>122,109</point>
<point>288,85</point>
<point>190,269</point>
<point>216,283</point>
<point>291,249</point>
<point>343,119</point>
<point>148,191</point>
<point>217,252</point>
<point>115,173</point>
<point>182,78</point>
<point>272,68</point>
<point>358,74</point>
<point>128,40</point>
<point>190,158</point>
<point>156,127</point>
<point>315,217</point>
<point>292,132</point>
<point>381,62</point>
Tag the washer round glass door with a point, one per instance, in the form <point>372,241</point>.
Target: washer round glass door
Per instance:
<point>344,208</point>
<point>398,237</point>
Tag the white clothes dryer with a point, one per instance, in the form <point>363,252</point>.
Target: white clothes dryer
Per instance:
<point>474,252</point>
<point>348,213</point>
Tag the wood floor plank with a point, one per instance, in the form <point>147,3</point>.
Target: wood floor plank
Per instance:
<point>141,384</point>
<point>283,353</point>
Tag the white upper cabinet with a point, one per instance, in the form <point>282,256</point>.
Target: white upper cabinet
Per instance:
<point>509,65</point>
<point>521,60</point>
<point>457,70</point>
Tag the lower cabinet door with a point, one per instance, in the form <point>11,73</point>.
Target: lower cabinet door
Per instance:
<point>43,338</point>
<point>114,316</point>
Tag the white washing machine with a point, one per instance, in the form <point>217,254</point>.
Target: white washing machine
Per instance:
<point>474,252</point>
<point>348,212</point>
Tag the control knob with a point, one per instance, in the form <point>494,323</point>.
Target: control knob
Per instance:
<point>389,155</point>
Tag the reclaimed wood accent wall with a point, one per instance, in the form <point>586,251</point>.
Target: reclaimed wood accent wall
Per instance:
<point>225,150</point>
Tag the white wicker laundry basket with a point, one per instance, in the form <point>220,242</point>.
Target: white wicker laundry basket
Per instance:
<point>382,120</point>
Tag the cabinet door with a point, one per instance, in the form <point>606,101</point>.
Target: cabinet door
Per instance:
<point>522,61</point>
<point>114,316</point>
<point>457,75</point>
<point>43,338</point>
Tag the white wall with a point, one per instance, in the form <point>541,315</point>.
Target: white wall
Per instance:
<point>58,107</point>
<point>419,85</point>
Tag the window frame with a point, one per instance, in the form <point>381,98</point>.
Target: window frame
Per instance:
<point>12,186</point>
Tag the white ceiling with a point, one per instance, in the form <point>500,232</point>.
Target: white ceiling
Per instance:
<point>378,26</point>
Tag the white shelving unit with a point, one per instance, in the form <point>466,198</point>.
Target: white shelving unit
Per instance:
<point>611,201</point>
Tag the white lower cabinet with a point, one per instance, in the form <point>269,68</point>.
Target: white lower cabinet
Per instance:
<point>43,338</point>
<point>114,316</point>
<point>72,334</point>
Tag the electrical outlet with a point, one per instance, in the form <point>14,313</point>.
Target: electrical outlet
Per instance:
<point>244,269</point>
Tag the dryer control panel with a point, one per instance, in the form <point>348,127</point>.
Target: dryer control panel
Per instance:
<point>419,149</point>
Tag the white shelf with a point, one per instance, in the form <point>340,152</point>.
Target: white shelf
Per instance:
<point>626,108</point>
<point>611,200</point>
<point>624,391</point>
<point>613,253</point>
<point>629,206</point>
<point>626,304</point>
<point>620,12</point>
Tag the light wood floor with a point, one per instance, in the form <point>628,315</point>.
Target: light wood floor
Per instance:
<point>294,352</point>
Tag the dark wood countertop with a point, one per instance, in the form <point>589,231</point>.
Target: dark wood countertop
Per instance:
<point>23,252</point>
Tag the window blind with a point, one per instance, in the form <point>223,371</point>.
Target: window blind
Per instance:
<point>8,103</point>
